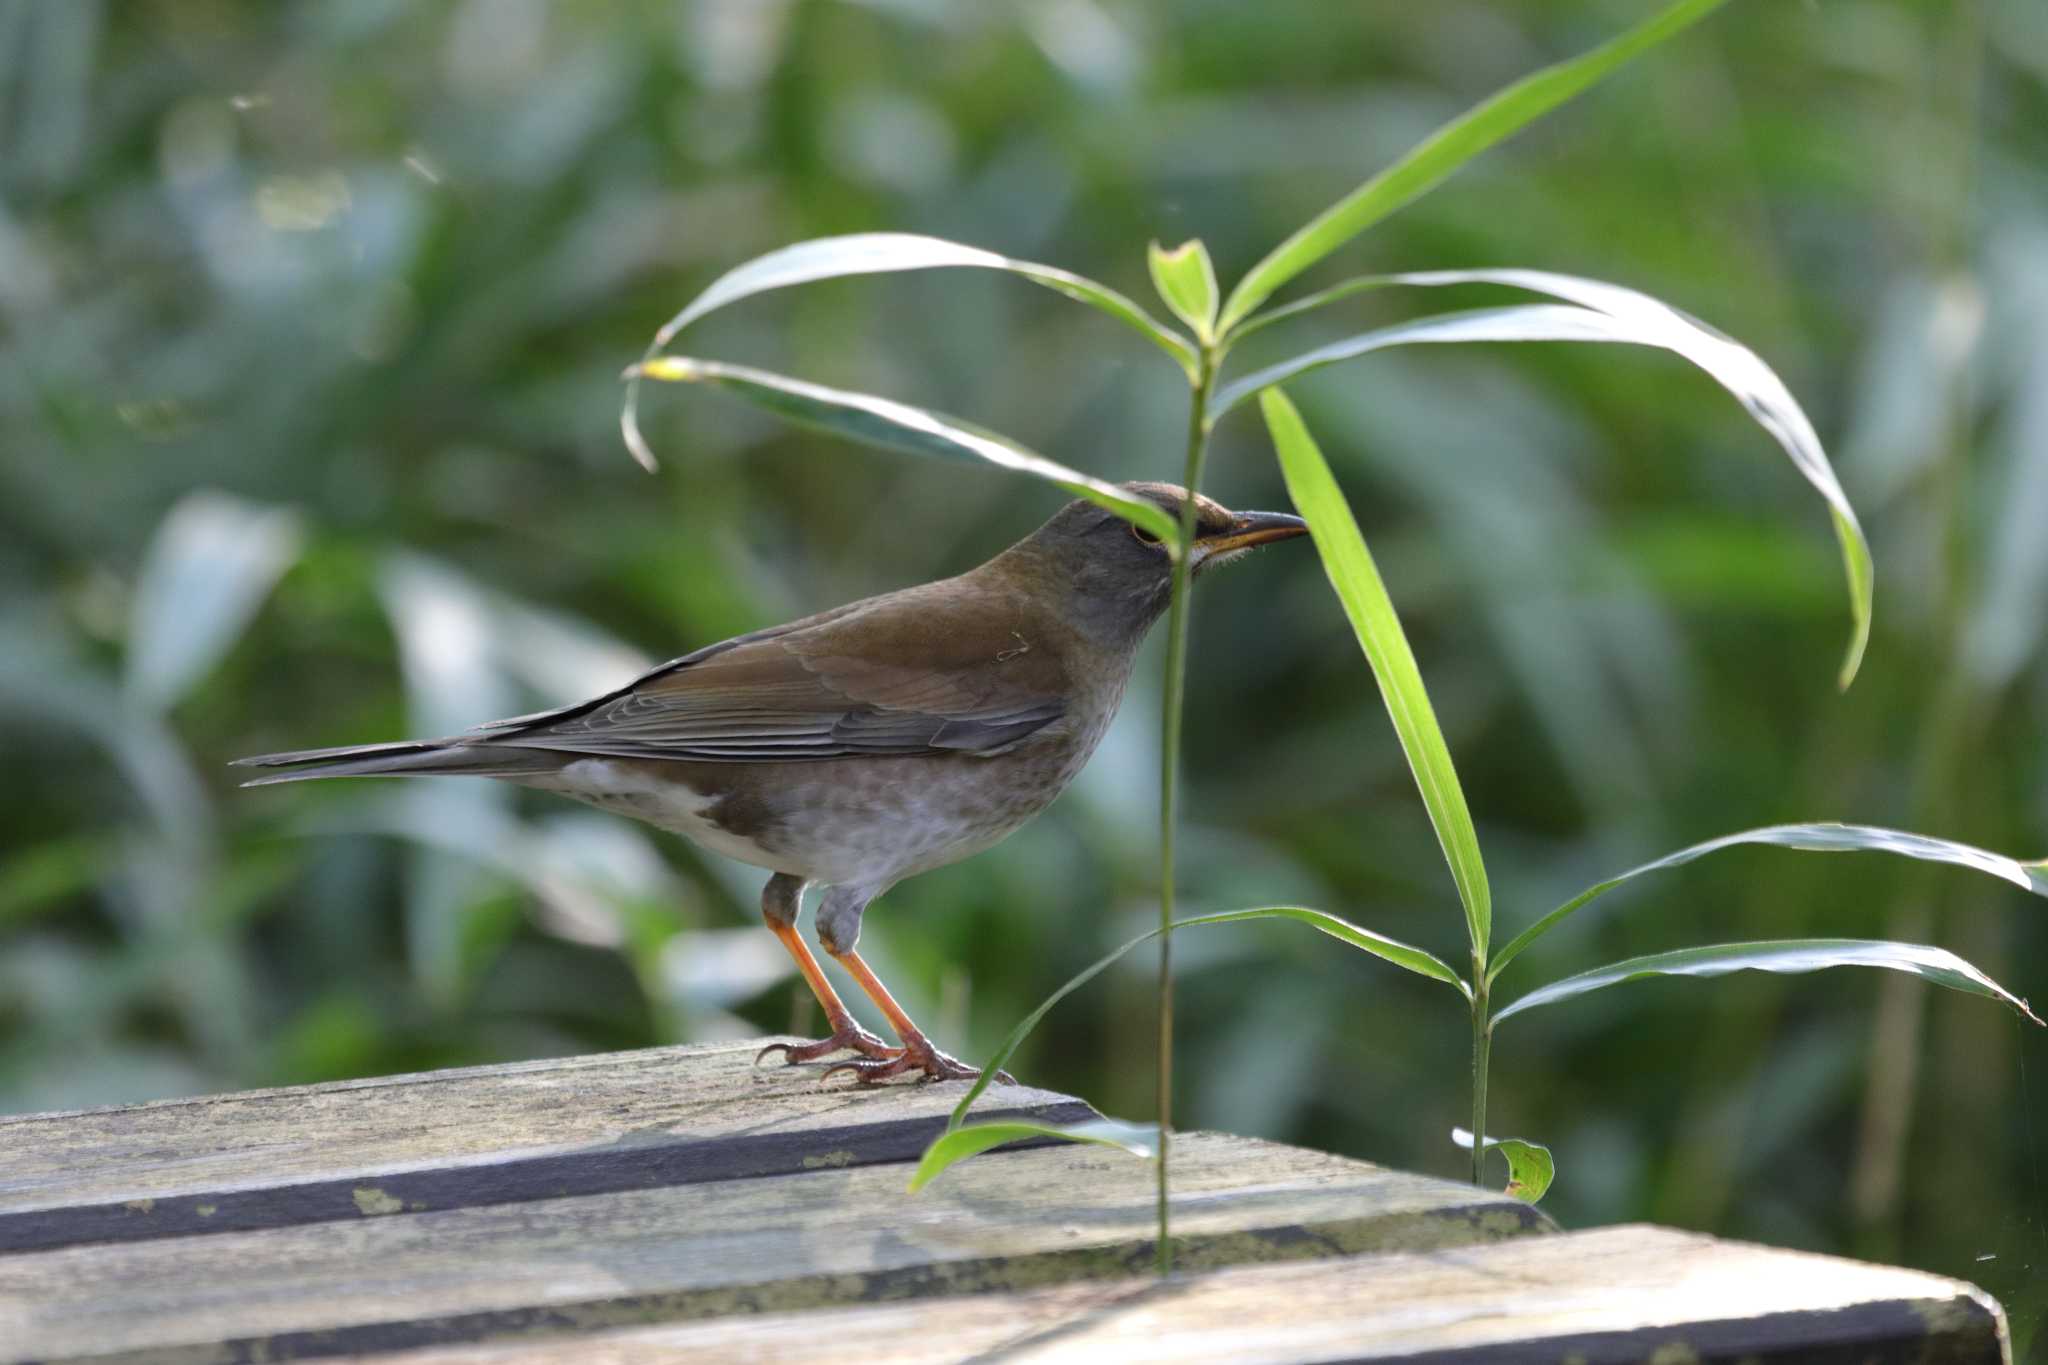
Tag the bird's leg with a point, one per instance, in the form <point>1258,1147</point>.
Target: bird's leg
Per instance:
<point>779,902</point>
<point>838,930</point>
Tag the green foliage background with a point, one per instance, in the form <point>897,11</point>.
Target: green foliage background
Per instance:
<point>380,264</point>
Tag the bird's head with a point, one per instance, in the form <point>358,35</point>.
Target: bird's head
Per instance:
<point>1116,577</point>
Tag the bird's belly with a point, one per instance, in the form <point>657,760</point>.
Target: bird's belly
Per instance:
<point>667,802</point>
<point>846,822</point>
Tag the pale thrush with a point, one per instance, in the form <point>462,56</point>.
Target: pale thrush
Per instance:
<point>862,745</point>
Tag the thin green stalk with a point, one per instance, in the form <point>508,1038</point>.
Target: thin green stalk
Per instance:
<point>1169,770</point>
<point>1482,1048</point>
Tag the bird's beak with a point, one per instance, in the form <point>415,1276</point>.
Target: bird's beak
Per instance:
<point>1249,530</point>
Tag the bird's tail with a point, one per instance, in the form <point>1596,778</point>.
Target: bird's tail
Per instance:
<point>448,757</point>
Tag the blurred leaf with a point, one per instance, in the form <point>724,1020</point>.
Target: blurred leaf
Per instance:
<point>1530,1167</point>
<point>1787,956</point>
<point>1449,147</point>
<point>1364,597</point>
<point>1822,838</point>
<point>1186,280</point>
<point>870,253</point>
<point>957,1144</point>
<point>1380,946</point>
<point>37,879</point>
<point>213,560</point>
<point>1611,313</point>
<point>898,426</point>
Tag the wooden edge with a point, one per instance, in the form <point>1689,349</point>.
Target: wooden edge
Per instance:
<point>668,1159</point>
<point>560,1327</point>
<point>1371,1308</point>
<point>678,1052</point>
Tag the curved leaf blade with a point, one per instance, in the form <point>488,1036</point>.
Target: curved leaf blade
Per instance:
<point>1364,596</point>
<point>1379,945</point>
<point>1186,282</point>
<point>1498,116</point>
<point>1604,312</point>
<point>1819,837</point>
<point>875,253</point>
<point>212,562</point>
<point>1786,956</point>
<point>890,425</point>
<point>1531,1168</point>
<point>955,1145</point>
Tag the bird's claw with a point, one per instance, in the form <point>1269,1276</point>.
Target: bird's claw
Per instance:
<point>847,1037</point>
<point>927,1061</point>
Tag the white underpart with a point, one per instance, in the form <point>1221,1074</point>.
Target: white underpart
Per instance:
<point>668,805</point>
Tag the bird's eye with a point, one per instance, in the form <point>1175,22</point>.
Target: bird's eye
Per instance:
<point>1144,536</point>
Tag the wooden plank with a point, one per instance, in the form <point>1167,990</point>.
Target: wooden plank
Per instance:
<point>455,1139</point>
<point>1620,1294</point>
<point>1005,1221</point>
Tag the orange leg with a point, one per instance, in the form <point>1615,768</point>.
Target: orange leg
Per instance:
<point>847,1034</point>
<point>917,1053</point>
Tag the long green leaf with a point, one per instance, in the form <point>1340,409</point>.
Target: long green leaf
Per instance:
<point>1937,965</point>
<point>874,253</point>
<point>1449,147</point>
<point>1531,1168</point>
<point>1611,313</point>
<point>1357,581</point>
<point>898,426</point>
<point>957,1144</point>
<point>1379,945</point>
<point>1823,838</point>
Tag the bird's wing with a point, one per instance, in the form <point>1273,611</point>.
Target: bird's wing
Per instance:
<point>899,675</point>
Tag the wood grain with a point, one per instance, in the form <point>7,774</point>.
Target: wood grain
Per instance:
<point>455,1139</point>
<point>1622,1294</point>
<point>1008,1221</point>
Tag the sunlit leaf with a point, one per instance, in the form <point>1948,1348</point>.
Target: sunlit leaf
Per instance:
<point>957,1144</point>
<point>213,561</point>
<point>1823,838</point>
<point>898,426</point>
<point>1357,582</point>
<point>1936,965</point>
<point>1379,945</point>
<point>1530,1167</point>
<point>1611,313</point>
<point>873,253</point>
<point>1449,147</point>
<point>1186,280</point>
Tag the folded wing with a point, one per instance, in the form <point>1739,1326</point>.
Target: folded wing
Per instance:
<point>857,681</point>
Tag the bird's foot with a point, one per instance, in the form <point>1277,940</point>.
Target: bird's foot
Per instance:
<point>917,1056</point>
<point>848,1036</point>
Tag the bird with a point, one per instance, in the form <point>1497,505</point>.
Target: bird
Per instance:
<point>863,745</point>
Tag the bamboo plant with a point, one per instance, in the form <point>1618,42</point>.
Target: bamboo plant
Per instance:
<point>1207,325</point>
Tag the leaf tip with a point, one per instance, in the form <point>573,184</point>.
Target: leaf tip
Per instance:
<point>629,429</point>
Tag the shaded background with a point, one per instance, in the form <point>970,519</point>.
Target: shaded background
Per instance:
<point>311,318</point>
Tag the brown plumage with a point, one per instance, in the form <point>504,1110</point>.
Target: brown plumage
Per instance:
<point>862,745</point>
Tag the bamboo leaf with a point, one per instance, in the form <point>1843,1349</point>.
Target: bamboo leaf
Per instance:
<point>1610,313</point>
<point>898,426</point>
<point>1449,147</point>
<point>1379,945</point>
<point>872,253</point>
<point>1357,582</point>
<point>1936,965</point>
<point>1822,838</point>
<point>957,1144</point>
<point>213,561</point>
<point>1186,281</point>
<point>1530,1165</point>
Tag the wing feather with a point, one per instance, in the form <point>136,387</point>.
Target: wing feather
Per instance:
<point>831,686</point>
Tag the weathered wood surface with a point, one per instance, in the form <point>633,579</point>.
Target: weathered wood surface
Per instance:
<point>1005,1221</point>
<point>678,1203</point>
<point>455,1139</point>
<point>1622,1294</point>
